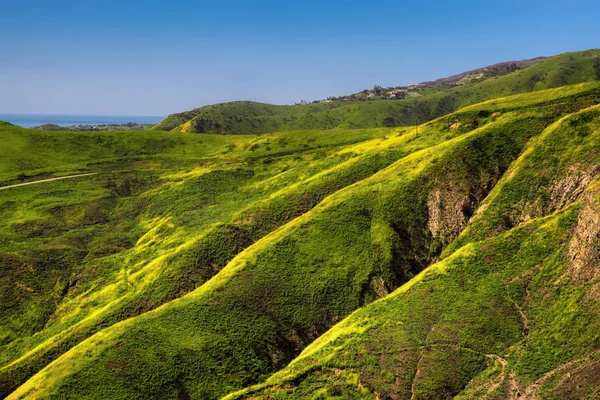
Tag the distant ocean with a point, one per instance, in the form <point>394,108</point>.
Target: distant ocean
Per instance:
<point>31,120</point>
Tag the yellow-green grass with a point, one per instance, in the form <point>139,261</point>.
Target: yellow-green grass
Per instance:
<point>99,296</point>
<point>444,323</point>
<point>514,296</point>
<point>377,195</point>
<point>234,255</point>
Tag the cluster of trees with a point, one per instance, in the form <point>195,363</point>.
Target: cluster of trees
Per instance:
<point>125,186</point>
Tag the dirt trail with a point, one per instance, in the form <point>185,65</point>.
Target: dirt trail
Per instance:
<point>525,330</point>
<point>501,377</point>
<point>531,392</point>
<point>418,371</point>
<point>416,377</point>
<point>47,180</point>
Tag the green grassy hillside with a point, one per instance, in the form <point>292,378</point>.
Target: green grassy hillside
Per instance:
<point>67,245</point>
<point>452,259</point>
<point>431,102</point>
<point>513,314</point>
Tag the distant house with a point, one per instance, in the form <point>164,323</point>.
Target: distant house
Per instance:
<point>413,88</point>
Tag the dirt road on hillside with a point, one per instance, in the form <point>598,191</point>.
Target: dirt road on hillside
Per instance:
<point>47,180</point>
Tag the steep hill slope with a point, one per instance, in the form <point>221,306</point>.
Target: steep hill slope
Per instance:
<point>68,246</point>
<point>243,257</point>
<point>512,315</point>
<point>432,102</point>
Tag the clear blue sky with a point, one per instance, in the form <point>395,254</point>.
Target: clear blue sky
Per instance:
<point>156,57</point>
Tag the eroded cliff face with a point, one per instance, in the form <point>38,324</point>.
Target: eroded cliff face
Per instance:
<point>577,180</point>
<point>448,212</point>
<point>561,192</point>
<point>584,247</point>
<point>450,209</point>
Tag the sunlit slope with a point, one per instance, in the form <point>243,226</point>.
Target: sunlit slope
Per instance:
<point>512,315</point>
<point>250,117</point>
<point>81,255</point>
<point>34,154</point>
<point>238,116</point>
<point>288,287</point>
<point>161,226</point>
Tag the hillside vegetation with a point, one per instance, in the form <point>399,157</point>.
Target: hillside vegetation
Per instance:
<point>457,258</point>
<point>512,313</point>
<point>432,100</point>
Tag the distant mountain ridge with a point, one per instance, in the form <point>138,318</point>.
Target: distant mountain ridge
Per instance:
<point>401,107</point>
<point>501,68</point>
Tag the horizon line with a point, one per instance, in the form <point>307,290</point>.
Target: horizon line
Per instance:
<point>81,115</point>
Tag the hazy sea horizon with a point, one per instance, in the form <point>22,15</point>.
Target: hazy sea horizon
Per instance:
<point>33,120</point>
